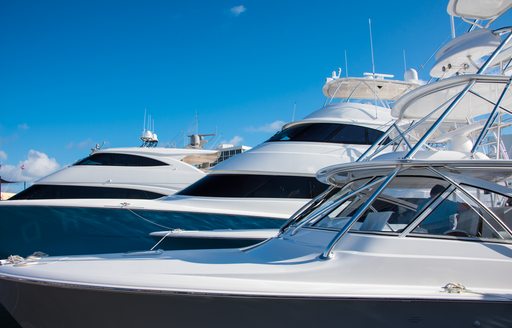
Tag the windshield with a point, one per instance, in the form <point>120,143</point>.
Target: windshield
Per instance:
<point>415,205</point>
<point>329,132</point>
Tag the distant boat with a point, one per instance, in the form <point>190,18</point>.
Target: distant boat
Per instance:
<point>259,188</point>
<point>145,172</point>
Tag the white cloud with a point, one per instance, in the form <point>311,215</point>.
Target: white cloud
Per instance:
<point>23,126</point>
<point>237,10</point>
<point>3,155</point>
<point>235,141</point>
<point>37,165</point>
<point>269,127</point>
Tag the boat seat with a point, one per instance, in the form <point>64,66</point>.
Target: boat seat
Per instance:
<point>337,222</point>
<point>376,221</point>
<point>469,222</point>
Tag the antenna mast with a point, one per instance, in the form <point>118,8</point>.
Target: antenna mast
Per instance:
<point>371,46</point>
<point>144,125</point>
<point>346,64</point>
<point>405,61</point>
<point>197,123</point>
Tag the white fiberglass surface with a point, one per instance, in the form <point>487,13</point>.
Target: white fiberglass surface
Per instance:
<point>366,88</point>
<point>174,173</point>
<point>482,9</point>
<point>291,158</point>
<point>433,99</point>
<point>290,266</point>
<point>459,55</point>
<point>362,114</point>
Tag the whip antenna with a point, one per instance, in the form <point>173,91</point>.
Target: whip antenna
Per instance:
<point>346,64</point>
<point>371,46</point>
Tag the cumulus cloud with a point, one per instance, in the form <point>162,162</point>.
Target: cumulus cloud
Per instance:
<point>237,10</point>
<point>235,141</point>
<point>3,155</point>
<point>269,127</point>
<point>23,126</point>
<point>37,165</point>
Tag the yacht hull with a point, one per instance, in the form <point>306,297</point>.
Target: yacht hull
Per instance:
<point>79,230</point>
<point>35,304</point>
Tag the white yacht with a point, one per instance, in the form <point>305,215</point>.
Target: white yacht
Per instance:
<point>132,172</point>
<point>408,242</point>
<point>456,135</point>
<point>412,241</point>
<point>259,188</point>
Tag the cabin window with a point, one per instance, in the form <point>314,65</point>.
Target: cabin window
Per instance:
<point>434,206</point>
<point>40,191</point>
<point>257,186</point>
<point>329,132</point>
<point>108,159</point>
<point>395,208</point>
<point>458,215</point>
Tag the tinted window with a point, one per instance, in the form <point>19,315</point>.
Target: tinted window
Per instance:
<point>329,132</point>
<point>119,160</point>
<point>68,192</point>
<point>249,185</point>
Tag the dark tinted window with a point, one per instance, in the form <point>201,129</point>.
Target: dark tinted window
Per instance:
<point>119,160</point>
<point>249,185</point>
<point>67,192</point>
<point>329,132</point>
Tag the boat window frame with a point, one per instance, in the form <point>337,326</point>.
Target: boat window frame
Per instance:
<point>452,189</point>
<point>371,134</point>
<point>255,184</point>
<point>139,160</point>
<point>100,192</point>
<point>454,181</point>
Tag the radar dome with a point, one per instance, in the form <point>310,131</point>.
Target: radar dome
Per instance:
<point>148,134</point>
<point>411,75</point>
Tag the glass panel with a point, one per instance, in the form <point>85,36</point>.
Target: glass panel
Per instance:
<point>251,185</point>
<point>459,216</point>
<point>68,192</point>
<point>119,160</point>
<point>329,132</point>
<point>392,211</point>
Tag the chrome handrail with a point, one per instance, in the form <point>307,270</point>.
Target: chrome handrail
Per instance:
<point>492,118</point>
<point>476,200</point>
<point>336,203</point>
<point>327,253</point>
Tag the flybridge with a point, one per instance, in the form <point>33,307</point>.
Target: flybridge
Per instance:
<point>373,86</point>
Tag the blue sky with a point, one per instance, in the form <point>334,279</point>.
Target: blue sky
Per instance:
<point>77,73</point>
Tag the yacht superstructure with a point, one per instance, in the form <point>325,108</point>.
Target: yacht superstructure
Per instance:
<point>413,240</point>
<point>376,244</point>
<point>259,188</point>
<point>133,172</point>
<point>439,232</point>
<point>419,237</point>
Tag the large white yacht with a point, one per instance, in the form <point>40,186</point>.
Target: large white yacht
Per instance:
<point>412,241</point>
<point>133,172</point>
<point>375,254</point>
<point>259,188</point>
<point>429,241</point>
